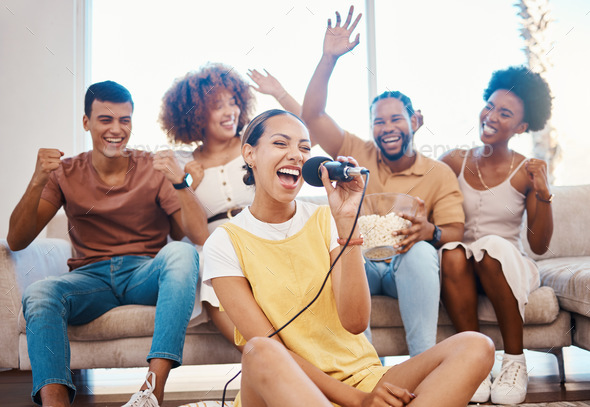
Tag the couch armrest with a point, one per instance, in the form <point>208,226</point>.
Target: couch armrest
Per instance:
<point>41,259</point>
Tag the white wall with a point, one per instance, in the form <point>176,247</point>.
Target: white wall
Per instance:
<point>41,88</point>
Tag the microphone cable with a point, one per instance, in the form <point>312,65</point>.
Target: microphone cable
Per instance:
<point>358,211</point>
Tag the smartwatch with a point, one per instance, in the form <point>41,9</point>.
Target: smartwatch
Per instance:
<point>186,182</point>
<point>435,236</point>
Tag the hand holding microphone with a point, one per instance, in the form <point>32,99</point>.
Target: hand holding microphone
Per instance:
<point>337,171</point>
<point>345,197</point>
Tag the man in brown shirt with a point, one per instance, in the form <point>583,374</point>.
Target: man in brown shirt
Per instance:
<point>395,166</point>
<point>121,205</point>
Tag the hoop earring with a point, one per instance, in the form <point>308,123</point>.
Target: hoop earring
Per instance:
<point>249,165</point>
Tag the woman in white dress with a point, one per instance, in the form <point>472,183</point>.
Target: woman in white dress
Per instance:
<point>208,109</point>
<point>498,184</point>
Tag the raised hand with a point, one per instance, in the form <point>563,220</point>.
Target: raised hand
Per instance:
<point>337,39</point>
<point>386,394</point>
<point>537,172</point>
<point>48,160</point>
<point>165,162</point>
<point>267,84</point>
<point>420,229</point>
<point>196,171</point>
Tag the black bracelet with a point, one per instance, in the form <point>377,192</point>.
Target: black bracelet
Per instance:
<point>544,200</point>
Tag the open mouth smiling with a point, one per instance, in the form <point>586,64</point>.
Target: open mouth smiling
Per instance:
<point>488,130</point>
<point>289,176</point>
<point>390,139</point>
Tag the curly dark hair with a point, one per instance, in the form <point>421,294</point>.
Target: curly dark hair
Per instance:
<point>530,87</point>
<point>185,106</point>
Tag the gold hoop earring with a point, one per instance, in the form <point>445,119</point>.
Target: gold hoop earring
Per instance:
<point>249,165</point>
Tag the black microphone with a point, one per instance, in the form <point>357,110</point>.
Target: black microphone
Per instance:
<point>337,171</point>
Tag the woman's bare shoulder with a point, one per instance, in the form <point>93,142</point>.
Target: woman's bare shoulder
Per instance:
<point>454,159</point>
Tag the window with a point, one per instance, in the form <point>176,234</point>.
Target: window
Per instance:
<point>443,61</point>
<point>441,55</point>
<point>145,51</point>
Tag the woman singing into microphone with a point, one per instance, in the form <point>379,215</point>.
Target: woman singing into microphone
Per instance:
<point>269,262</point>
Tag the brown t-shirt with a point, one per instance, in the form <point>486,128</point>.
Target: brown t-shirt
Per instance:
<point>106,221</point>
<point>430,180</point>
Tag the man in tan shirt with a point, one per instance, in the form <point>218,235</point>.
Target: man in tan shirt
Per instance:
<point>395,166</point>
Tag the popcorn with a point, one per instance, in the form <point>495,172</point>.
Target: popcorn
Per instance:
<point>376,230</point>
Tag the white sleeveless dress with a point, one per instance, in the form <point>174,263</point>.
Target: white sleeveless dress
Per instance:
<point>493,223</point>
<point>222,188</point>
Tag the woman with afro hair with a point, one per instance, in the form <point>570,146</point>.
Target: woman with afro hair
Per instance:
<point>206,110</point>
<point>498,184</point>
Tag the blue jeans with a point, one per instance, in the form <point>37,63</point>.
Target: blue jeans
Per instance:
<point>412,278</point>
<point>167,281</point>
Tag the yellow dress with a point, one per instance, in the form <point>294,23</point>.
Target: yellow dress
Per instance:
<point>285,275</point>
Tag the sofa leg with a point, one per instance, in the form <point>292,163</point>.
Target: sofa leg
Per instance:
<point>558,352</point>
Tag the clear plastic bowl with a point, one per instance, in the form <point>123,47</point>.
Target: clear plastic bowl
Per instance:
<point>379,217</point>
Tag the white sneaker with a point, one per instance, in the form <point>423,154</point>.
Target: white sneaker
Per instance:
<point>511,385</point>
<point>145,398</point>
<point>482,394</point>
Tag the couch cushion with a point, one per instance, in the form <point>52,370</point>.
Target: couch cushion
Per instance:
<point>570,279</point>
<point>129,321</point>
<point>571,223</point>
<point>542,308</point>
<point>41,259</point>
<point>126,321</point>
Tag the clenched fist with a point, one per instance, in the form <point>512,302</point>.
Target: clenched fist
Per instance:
<point>196,171</point>
<point>165,162</point>
<point>48,160</point>
<point>537,172</point>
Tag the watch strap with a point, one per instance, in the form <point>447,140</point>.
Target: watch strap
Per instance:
<point>183,184</point>
<point>435,236</point>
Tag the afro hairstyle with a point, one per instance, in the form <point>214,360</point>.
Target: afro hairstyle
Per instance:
<point>185,106</point>
<point>530,87</point>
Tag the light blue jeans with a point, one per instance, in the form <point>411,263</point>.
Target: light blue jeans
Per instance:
<point>168,281</point>
<point>412,278</point>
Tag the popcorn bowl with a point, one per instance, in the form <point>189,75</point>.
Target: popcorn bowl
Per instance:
<point>379,218</point>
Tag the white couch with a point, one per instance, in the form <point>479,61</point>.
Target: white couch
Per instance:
<point>557,315</point>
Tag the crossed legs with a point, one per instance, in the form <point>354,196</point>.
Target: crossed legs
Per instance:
<point>271,377</point>
<point>445,375</point>
<point>448,373</point>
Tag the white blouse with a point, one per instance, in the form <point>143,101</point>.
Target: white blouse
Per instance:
<point>222,187</point>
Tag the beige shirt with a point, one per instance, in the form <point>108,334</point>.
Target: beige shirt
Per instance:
<point>430,180</point>
<point>106,221</point>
